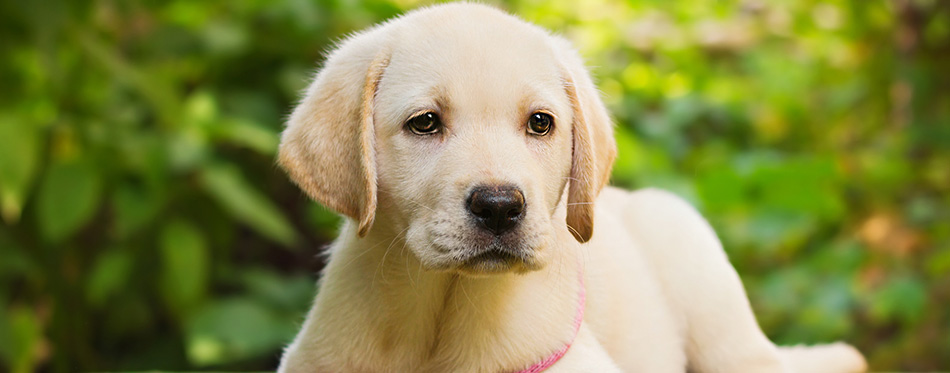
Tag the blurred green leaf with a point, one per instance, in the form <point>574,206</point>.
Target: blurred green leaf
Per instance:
<point>20,338</point>
<point>68,198</point>
<point>631,162</point>
<point>282,293</point>
<point>245,133</point>
<point>327,222</point>
<point>226,185</point>
<point>827,315</point>
<point>184,266</point>
<point>939,262</point>
<point>201,109</point>
<point>188,149</point>
<point>799,185</point>
<point>721,189</point>
<point>109,275</point>
<point>19,153</point>
<point>133,208</point>
<point>16,263</point>
<point>224,37</point>
<point>902,298</point>
<point>234,329</point>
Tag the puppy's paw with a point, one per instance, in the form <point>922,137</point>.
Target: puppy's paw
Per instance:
<point>836,357</point>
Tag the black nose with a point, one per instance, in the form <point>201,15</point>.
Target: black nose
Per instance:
<point>496,208</point>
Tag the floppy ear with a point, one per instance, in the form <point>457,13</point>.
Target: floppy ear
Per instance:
<point>328,145</point>
<point>594,147</point>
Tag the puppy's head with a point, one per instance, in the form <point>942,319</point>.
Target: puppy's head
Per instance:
<point>459,127</point>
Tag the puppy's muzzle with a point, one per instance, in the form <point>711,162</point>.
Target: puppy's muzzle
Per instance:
<point>496,208</point>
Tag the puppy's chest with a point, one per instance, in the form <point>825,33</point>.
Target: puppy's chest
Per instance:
<point>427,344</point>
<point>460,330</point>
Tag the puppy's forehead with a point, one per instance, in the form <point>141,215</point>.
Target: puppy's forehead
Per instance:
<point>471,35</point>
<point>480,56</point>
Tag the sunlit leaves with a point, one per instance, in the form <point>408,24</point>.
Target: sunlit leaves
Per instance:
<point>137,142</point>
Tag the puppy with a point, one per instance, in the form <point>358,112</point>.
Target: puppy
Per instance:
<point>470,151</point>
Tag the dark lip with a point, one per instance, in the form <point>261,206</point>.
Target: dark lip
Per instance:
<point>494,255</point>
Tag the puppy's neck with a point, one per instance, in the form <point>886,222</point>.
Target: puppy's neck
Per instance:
<point>378,310</point>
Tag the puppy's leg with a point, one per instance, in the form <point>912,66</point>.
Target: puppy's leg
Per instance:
<point>697,278</point>
<point>585,355</point>
<point>722,333</point>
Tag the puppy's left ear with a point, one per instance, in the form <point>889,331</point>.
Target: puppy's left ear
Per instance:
<point>328,146</point>
<point>594,147</point>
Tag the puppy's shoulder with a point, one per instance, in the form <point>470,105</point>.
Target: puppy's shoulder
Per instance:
<point>658,203</point>
<point>656,214</point>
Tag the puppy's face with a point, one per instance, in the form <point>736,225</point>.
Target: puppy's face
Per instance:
<point>473,140</point>
<point>457,128</point>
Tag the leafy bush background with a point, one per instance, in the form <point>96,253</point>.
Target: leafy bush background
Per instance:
<point>145,225</point>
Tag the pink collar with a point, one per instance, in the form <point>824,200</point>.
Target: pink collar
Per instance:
<point>578,317</point>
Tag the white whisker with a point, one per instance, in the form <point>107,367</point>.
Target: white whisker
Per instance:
<point>386,253</point>
<point>406,200</point>
<point>412,283</point>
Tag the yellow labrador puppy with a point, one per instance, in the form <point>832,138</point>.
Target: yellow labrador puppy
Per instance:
<point>471,151</point>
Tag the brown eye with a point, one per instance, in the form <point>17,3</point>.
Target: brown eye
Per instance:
<point>424,124</point>
<point>539,124</point>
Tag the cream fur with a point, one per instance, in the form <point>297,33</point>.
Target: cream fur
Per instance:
<point>396,295</point>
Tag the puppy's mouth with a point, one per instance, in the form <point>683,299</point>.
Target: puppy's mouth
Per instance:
<point>496,260</point>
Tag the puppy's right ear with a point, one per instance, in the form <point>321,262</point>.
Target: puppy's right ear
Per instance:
<point>328,145</point>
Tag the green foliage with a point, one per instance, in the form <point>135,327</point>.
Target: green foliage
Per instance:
<point>19,145</point>
<point>213,339</point>
<point>145,225</point>
<point>243,202</point>
<point>68,197</point>
<point>20,338</point>
<point>184,262</point>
